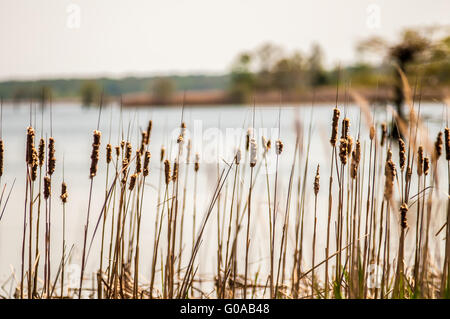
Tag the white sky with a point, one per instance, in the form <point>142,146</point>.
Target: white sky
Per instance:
<point>118,38</point>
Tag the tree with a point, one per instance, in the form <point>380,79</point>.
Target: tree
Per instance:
<point>242,79</point>
<point>90,93</point>
<point>162,90</point>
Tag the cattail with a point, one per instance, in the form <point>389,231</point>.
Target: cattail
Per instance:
<point>167,171</point>
<point>343,150</point>
<point>64,193</point>
<point>349,145</point>
<point>383,133</point>
<point>388,155</point>
<point>2,151</point>
<point>238,156</point>
<point>197,162</point>
<point>132,181</point>
<point>420,161</point>
<point>175,171</point>
<point>128,151</point>
<point>372,132</point>
<point>163,151</point>
<point>247,139</point>
<point>146,163</point>
<point>124,170</point>
<point>41,152</point>
<point>358,151</point>
<point>51,156</point>
<point>122,144</point>
<point>269,144</point>
<point>334,126</point>
<point>253,152</point>
<point>108,153</point>
<point>34,164</point>
<point>389,181</point>
<point>447,143</point>
<point>426,166</point>
<point>401,153</point>
<point>95,153</point>
<point>143,141</point>
<point>264,144</point>
<point>138,162</point>
<point>278,147</point>
<point>345,127</point>
<point>403,219</point>
<point>149,132</point>
<point>317,181</point>
<point>438,146</point>
<point>30,145</point>
<point>47,187</point>
<point>117,150</point>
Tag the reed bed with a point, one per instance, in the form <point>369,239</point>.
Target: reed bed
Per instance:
<point>384,231</point>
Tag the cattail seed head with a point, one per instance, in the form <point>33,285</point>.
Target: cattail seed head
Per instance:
<point>163,152</point>
<point>34,164</point>
<point>117,148</point>
<point>138,162</point>
<point>64,193</point>
<point>334,126</point>
<point>30,145</point>
<point>47,187</point>
<point>438,145</point>
<point>41,152</point>
<point>420,161</point>
<point>146,163</point>
<point>383,133</point>
<point>343,150</point>
<point>372,132</point>
<point>389,180</point>
<point>247,138</point>
<point>426,166</point>
<point>175,171</point>
<point>349,145</point>
<point>132,181</point>
<point>278,147</point>
<point>95,153</point>
<point>143,141</point>
<point>269,144</point>
<point>317,181</point>
<point>345,127</point>
<point>253,152</point>
<point>128,151</point>
<point>197,162</point>
<point>238,156</point>
<point>447,143</point>
<point>402,153</point>
<point>167,171</point>
<point>149,132</point>
<point>403,219</point>
<point>108,153</point>
<point>51,156</point>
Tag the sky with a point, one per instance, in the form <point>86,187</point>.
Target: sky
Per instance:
<point>63,38</point>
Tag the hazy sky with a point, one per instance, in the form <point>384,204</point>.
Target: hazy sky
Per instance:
<point>49,38</point>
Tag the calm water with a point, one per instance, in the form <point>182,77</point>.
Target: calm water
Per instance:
<point>210,128</point>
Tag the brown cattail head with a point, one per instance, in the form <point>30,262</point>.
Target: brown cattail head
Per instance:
<point>122,144</point>
<point>30,145</point>
<point>426,166</point>
<point>163,152</point>
<point>138,162</point>
<point>349,145</point>
<point>132,181</point>
<point>197,162</point>
<point>372,132</point>
<point>269,144</point>
<point>64,193</point>
<point>253,152</point>
<point>34,164</point>
<point>149,132</point>
<point>128,151</point>
<point>343,148</point>
<point>41,152</point>
<point>383,133</point>
<point>175,171</point>
<point>143,141</point>
<point>447,143</point>
<point>420,161</point>
<point>358,151</point>
<point>334,126</point>
<point>345,127</point>
<point>438,145</point>
<point>95,153</point>
<point>51,156</point>
<point>167,171</point>
<point>47,187</point>
<point>388,155</point>
<point>402,153</point>
<point>238,156</point>
<point>403,219</point>
<point>117,148</point>
<point>247,139</point>
<point>278,147</point>
<point>2,154</point>
<point>390,173</point>
<point>317,181</point>
<point>147,163</point>
<point>108,153</point>
<point>124,170</point>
